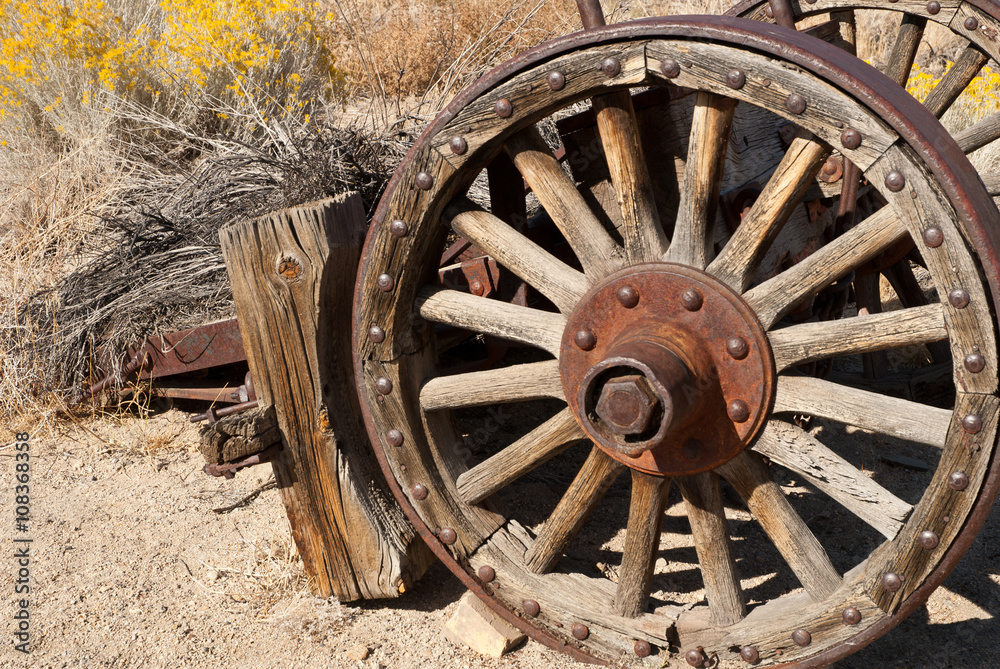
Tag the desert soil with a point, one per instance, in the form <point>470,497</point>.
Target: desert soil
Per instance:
<point>130,566</point>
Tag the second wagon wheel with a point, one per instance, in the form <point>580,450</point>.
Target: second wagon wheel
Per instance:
<point>658,370</point>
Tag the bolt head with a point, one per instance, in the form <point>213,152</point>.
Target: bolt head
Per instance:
<point>692,450</point>
<point>850,139</point>
<point>424,181</point>
<point>892,582</point>
<point>958,481</point>
<point>768,12</point>
<point>394,437</point>
<point>801,637</point>
<point>385,283</point>
<point>476,288</point>
<point>737,348</point>
<point>557,80</point>
<point>928,540</point>
<point>959,298</point>
<point>585,340</point>
<point>795,103</point>
<point>503,108</point>
<point>611,67</point>
<point>398,228</point>
<point>895,181</point>
<point>486,574</point>
<point>642,648</point>
<point>670,68</point>
<point>626,404</point>
<point>736,79</point>
<point>692,299</point>
<point>971,23</point>
<point>580,631</point>
<point>448,536</point>
<point>530,608</point>
<point>851,616</point>
<point>933,7</point>
<point>695,657</point>
<point>376,334</point>
<point>628,297</point>
<point>419,491</point>
<point>738,410</point>
<point>458,145</point>
<point>975,363</point>
<point>750,654</point>
<point>972,424</point>
<point>383,385</point>
<point>933,237</point>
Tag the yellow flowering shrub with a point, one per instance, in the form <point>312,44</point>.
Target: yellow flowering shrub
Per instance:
<point>981,97</point>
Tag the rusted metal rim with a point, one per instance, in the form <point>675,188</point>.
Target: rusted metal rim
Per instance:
<point>988,6</point>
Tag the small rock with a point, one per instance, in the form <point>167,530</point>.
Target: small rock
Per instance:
<point>212,576</point>
<point>477,627</point>
<point>358,652</point>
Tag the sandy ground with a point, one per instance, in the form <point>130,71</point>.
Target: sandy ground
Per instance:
<point>130,566</point>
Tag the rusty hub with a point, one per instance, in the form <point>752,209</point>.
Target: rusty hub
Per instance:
<point>656,385</point>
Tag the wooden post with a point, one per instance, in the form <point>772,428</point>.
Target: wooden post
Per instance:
<point>292,275</point>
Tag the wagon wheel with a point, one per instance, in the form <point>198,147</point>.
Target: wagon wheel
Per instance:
<point>669,360</point>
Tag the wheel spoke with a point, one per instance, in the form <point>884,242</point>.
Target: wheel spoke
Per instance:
<point>479,314</point>
<point>791,536</point>
<point>709,139</point>
<point>642,540</point>
<point>799,344</point>
<point>867,293</point>
<point>775,297</point>
<point>645,240</point>
<point>979,134</point>
<point>711,540</point>
<point>861,408</point>
<point>531,381</point>
<point>546,441</point>
<point>743,253</point>
<point>795,449</point>
<point>908,289</point>
<point>904,51</point>
<point>593,480</point>
<point>598,253</point>
<point>553,278</point>
<point>961,74</point>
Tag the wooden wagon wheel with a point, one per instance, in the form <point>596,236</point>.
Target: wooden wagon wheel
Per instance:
<point>673,361</point>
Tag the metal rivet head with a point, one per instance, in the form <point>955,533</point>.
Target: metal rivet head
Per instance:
<point>933,7</point>
<point>736,79</point>
<point>394,437</point>
<point>768,12</point>
<point>928,540</point>
<point>933,237</point>
<point>850,139</point>
<point>971,23</point>
<point>972,424</point>
<point>530,608</point>
<point>695,657</point>
<point>737,348</point>
<point>628,297</point>
<point>585,340</point>
<point>795,103</point>
<point>750,654</point>
<point>448,536</point>
<point>376,334</point>
<point>642,648</point>
<point>458,145</point>
<point>738,410</point>
<point>975,363</point>
<point>398,228</point>
<point>477,288</point>
<point>383,385</point>
<point>424,181</point>
<point>802,637</point>
<point>611,67</point>
<point>557,80</point>
<point>419,491</point>
<point>692,299</point>
<point>959,298</point>
<point>503,108</point>
<point>851,616</point>
<point>895,181</point>
<point>580,631</point>
<point>385,282</point>
<point>892,582</point>
<point>958,481</point>
<point>486,573</point>
<point>670,68</point>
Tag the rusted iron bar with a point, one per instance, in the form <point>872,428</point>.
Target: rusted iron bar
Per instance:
<point>591,13</point>
<point>214,414</point>
<point>229,469</point>
<point>781,12</point>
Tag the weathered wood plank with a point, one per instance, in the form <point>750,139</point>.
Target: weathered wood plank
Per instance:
<point>868,296</point>
<point>518,383</point>
<point>979,134</point>
<point>293,275</point>
<point>239,435</point>
<point>985,32</point>
<point>642,542</point>
<point>904,50</point>
<point>880,413</point>
<point>755,10</point>
<point>794,448</point>
<point>965,68</point>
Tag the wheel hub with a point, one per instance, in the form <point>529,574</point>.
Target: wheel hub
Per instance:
<point>667,369</point>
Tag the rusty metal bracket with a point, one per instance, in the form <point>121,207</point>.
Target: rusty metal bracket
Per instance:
<point>229,469</point>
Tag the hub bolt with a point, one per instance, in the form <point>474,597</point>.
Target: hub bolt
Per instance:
<point>692,299</point>
<point>585,340</point>
<point>626,404</point>
<point>628,296</point>
<point>737,347</point>
<point>738,410</point>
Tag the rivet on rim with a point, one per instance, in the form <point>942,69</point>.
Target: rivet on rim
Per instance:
<point>768,12</point>
<point>738,410</point>
<point>972,424</point>
<point>585,340</point>
<point>850,139</point>
<point>486,573</point>
<point>398,228</point>
<point>933,237</point>
<point>750,654</point>
<point>895,181</point>
<point>376,334</point>
<point>642,648</point>
<point>458,145</point>
<point>628,296</point>
<point>419,491</point>
<point>933,7</point>
<point>736,79</point>
<point>971,23</point>
<point>383,385</point>
<point>394,437</point>
<point>892,582</point>
<point>385,282</point>
<point>424,181</point>
<point>503,108</point>
<point>611,67</point>
<point>557,80</point>
<point>737,348</point>
<point>959,298</point>
<point>695,657</point>
<point>692,299</point>
<point>670,68</point>
<point>851,616</point>
<point>795,103</point>
<point>580,631</point>
<point>958,481</point>
<point>802,637</point>
<point>928,540</point>
<point>530,607</point>
<point>975,363</point>
<point>448,536</point>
